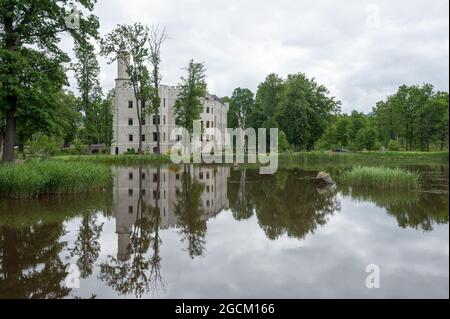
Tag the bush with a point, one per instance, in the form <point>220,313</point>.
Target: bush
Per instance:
<point>394,146</point>
<point>130,151</point>
<point>43,145</point>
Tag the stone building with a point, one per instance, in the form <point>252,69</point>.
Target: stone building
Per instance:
<point>125,122</point>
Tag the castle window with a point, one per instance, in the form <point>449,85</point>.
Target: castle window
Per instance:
<point>130,192</point>
<point>212,124</point>
<point>164,120</point>
<point>155,136</point>
<point>200,175</point>
<point>164,102</point>
<point>177,177</point>
<point>130,209</point>
<point>155,178</point>
<point>143,175</point>
<point>130,104</point>
<point>154,119</point>
<point>143,121</point>
<point>164,136</point>
<point>143,137</point>
<point>207,175</point>
<point>130,137</point>
<point>207,124</point>
<point>130,121</point>
<point>130,176</point>
<point>207,110</point>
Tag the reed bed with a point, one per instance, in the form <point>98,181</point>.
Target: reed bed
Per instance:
<point>33,179</point>
<point>381,177</point>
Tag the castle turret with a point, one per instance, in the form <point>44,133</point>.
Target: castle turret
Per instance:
<point>121,69</point>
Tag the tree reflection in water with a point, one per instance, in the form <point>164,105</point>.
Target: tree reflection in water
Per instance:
<point>190,215</point>
<point>30,266</point>
<point>87,246</point>
<point>139,274</point>
<point>283,204</point>
<point>418,210</point>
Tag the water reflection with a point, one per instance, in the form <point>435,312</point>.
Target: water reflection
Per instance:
<point>157,218</point>
<point>147,200</point>
<point>30,263</point>
<point>421,210</point>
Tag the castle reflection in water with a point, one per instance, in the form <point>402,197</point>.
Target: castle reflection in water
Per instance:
<point>158,188</point>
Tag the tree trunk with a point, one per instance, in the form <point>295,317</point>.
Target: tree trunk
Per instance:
<point>11,41</point>
<point>10,132</point>
<point>1,143</point>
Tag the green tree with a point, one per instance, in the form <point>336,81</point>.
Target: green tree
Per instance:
<point>343,131</point>
<point>267,100</point>
<point>241,105</point>
<point>157,37</point>
<point>283,144</point>
<point>367,138</point>
<point>193,87</point>
<point>128,44</point>
<point>87,72</point>
<point>305,111</point>
<point>33,24</point>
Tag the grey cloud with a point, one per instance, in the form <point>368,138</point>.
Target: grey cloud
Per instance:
<point>362,50</point>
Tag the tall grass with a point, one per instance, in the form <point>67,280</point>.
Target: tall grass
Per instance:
<point>32,179</point>
<point>382,177</point>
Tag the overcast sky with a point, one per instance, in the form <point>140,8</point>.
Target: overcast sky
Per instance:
<point>362,51</point>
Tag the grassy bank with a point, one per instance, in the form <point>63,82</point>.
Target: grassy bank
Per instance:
<point>117,159</point>
<point>284,158</point>
<point>32,179</point>
<point>363,157</point>
<point>381,177</point>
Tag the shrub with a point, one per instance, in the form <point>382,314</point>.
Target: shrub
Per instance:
<point>394,146</point>
<point>43,146</point>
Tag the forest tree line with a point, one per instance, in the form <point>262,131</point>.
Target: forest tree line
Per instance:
<point>415,118</point>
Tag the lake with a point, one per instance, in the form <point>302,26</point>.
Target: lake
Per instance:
<point>224,232</point>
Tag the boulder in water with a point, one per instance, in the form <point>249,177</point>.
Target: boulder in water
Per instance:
<point>325,178</point>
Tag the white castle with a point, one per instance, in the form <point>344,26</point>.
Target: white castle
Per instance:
<point>125,122</point>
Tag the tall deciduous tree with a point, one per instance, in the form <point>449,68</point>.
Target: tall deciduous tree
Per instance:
<point>87,73</point>
<point>193,87</point>
<point>37,24</point>
<point>157,37</point>
<point>304,110</point>
<point>241,106</point>
<point>128,44</point>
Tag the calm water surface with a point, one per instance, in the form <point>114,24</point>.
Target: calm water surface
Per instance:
<point>222,232</point>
